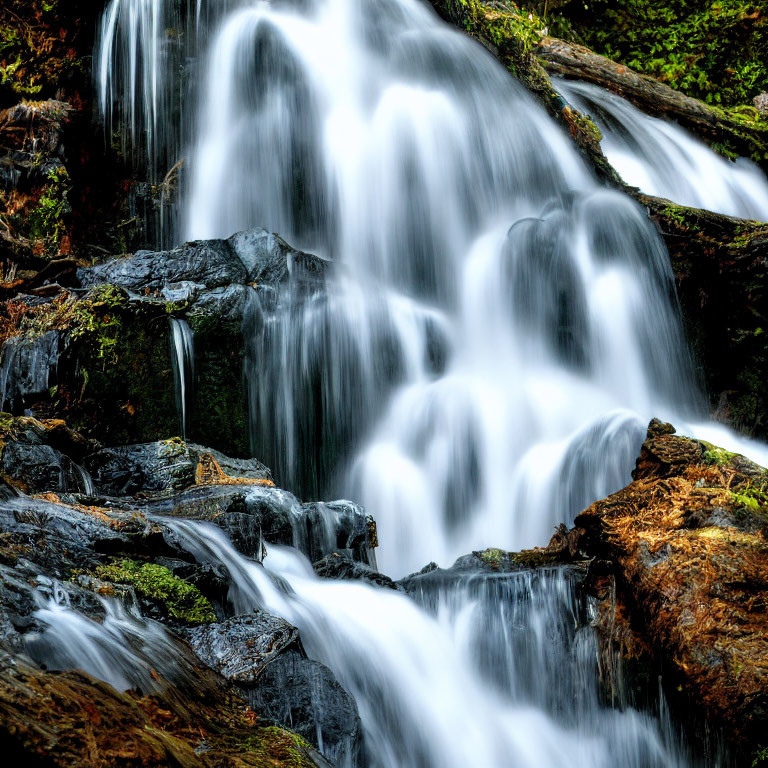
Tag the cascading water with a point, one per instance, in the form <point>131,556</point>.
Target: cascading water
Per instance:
<point>481,368</point>
<point>664,160</point>
<point>125,650</point>
<point>504,675</point>
<point>183,358</point>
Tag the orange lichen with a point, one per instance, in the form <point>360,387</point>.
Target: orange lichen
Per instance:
<point>693,564</point>
<point>209,472</point>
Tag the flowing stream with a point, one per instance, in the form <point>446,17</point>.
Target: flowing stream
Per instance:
<point>482,367</point>
<point>664,160</point>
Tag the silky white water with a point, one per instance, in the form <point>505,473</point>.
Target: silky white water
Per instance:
<point>183,359</point>
<point>482,366</point>
<point>664,160</point>
<point>501,676</point>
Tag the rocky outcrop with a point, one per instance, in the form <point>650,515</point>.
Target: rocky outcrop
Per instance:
<point>683,552</point>
<point>264,657</point>
<point>101,354</point>
<point>102,582</point>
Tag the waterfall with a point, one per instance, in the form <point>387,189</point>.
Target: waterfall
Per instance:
<point>664,160</point>
<point>481,366</point>
<point>183,358</point>
<point>501,670</point>
<point>123,649</point>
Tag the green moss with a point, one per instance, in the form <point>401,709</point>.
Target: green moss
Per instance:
<point>277,747</point>
<point>753,499</point>
<point>493,558</point>
<point>716,50</point>
<point>715,455</point>
<point>182,600</point>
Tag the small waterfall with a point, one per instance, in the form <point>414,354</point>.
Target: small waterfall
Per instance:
<point>86,481</point>
<point>27,368</point>
<point>123,649</point>
<point>503,673</point>
<point>183,358</point>
<point>664,160</point>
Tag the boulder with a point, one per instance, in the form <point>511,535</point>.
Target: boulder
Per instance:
<point>683,550</point>
<point>268,259</point>
<point>168,466</point>
<point>263,655</point>
<point>341,565</point>
<point>212,263</point>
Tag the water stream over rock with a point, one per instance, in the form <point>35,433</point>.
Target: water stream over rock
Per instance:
<point>664,160</point>
<point>480,366</point>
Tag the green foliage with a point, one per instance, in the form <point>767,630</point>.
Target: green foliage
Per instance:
<point>714,455</point>
<point>95,319</point>
<point>182,600</point>
<point>46,220</point>
<point>716,50</point>
<point>753,499</point>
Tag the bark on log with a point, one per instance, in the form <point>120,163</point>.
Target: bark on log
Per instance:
<point>723,131</point>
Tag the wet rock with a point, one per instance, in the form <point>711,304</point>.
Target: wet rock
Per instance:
<point>34,468</point>
<point>336,525</point>
<point>33,458</point>
<point>341,565</point>
<point>240,648</point>
<point>212,263</point>
<point>268,259</point>
<point>263,655</point>
<point>168,466</point>
<point>687,541</point>
<point>226,304</point>
<point>27,369</point>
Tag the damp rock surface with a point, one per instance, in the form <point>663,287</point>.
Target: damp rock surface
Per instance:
<point>687,543</point>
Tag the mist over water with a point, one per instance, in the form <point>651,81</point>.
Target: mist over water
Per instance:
<point>483,364</point>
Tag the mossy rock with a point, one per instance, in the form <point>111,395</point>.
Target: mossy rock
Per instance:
<point>177,598</point>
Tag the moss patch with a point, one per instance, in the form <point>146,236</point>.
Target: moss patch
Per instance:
<point>277,747</point>
<point>716,50</point>
<point>182,600</point>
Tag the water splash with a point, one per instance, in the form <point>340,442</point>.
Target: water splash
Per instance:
<point>183,359</point>
<point>664,160</point>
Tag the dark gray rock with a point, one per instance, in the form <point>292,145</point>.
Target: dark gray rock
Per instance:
<point>27,369</point>
<point>269,259</point>
<point>245,513</point>
<point>163,467</point>
<point>240,648</point>
<point>330,526</point>
<point>36,468</point>
<point>226,303</point>
<point>184,291</point>
<point>212,263</point>
<point>263,655</point>
<point>341,565</point>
